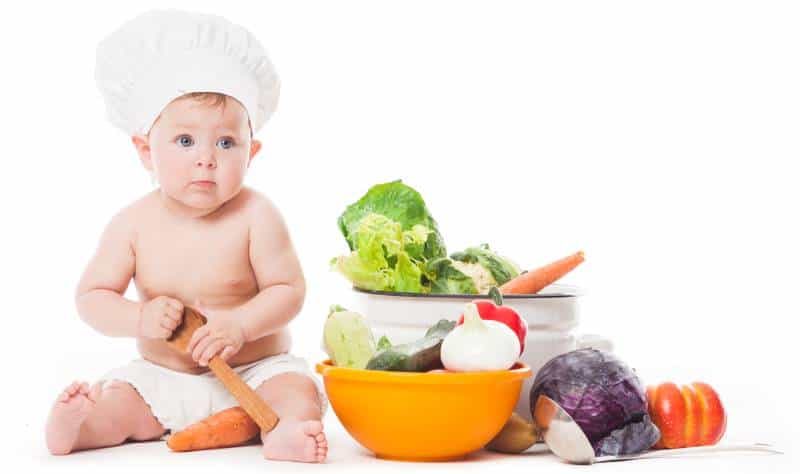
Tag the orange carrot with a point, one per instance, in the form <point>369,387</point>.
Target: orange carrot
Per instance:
<point>231,427</point>
<point>534,280</point>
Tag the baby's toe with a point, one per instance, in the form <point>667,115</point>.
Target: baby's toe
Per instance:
<point>310,450</point>
<point>322,446</point>
<point>70,391</point>
<point>322,453</point>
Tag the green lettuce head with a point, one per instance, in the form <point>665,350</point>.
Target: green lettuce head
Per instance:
<point>385,257</point>
<point>402,204</point>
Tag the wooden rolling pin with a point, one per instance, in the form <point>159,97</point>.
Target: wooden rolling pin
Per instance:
<point>254,405</point>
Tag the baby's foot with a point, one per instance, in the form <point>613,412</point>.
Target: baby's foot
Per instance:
<point>296,440</point>
<point>64,423</point>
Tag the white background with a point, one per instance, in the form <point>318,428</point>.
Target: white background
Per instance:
<point>659,137</point>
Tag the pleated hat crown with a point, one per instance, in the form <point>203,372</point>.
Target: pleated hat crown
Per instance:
<point>163,54</point>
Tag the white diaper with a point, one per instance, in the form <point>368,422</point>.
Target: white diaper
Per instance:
<point>178,399</point>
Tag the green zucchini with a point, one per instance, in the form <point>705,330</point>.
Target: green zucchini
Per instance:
<point>421,355</point>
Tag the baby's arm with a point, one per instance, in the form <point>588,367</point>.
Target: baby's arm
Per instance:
<point>278,273</point>
<point>99,294</point>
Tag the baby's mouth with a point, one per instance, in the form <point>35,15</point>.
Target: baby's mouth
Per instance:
<point>203,183</point>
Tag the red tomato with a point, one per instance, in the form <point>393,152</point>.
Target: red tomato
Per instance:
<point>690,415</point>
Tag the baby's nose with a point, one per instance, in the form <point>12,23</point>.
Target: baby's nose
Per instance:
<point>206,163</point>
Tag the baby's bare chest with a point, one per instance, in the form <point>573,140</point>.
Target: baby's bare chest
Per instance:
<point>192,262</point>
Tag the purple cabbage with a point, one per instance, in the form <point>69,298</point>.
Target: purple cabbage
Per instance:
<point>603,395</point>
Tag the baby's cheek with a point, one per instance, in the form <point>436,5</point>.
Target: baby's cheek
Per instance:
<point>174,180</point>
<point>231,178</point>
<point>174,171</point>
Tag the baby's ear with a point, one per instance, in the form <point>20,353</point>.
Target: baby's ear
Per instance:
<point>142,146</point>
<point>255,146</point>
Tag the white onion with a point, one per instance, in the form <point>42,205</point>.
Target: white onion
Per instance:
<point>479,345</point>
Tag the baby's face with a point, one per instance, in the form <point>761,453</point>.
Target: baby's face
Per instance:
<point>199,152</point>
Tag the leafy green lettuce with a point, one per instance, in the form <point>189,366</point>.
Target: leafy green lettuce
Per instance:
<point>399,203</point>
<point>385,257</point>
<point>395,245</point>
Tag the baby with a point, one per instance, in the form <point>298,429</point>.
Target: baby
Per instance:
<point>191,89</point>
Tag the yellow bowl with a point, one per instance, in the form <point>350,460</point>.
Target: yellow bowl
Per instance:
<point>422,416</point>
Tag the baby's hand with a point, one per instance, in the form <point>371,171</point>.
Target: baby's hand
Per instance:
<point>222,335</point>
<point>159,317</point>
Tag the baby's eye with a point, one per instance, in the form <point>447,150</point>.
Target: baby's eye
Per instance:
<point>225,142</point>
<point>184,141</point>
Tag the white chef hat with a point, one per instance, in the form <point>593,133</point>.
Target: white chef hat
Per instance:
<point>163,54</point>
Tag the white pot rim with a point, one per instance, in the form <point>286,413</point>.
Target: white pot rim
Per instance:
<point>556,290</point>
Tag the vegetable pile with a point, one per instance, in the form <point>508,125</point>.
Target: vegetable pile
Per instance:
<point>483,339</point>
<point>395,245</point>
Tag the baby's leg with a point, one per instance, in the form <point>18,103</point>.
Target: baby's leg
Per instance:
<point>84,418</point>
<point>298,435</point>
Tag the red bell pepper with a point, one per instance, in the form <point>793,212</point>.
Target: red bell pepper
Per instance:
<point>495,311</point>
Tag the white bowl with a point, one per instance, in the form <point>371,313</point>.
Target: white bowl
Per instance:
<point>552,316</point>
